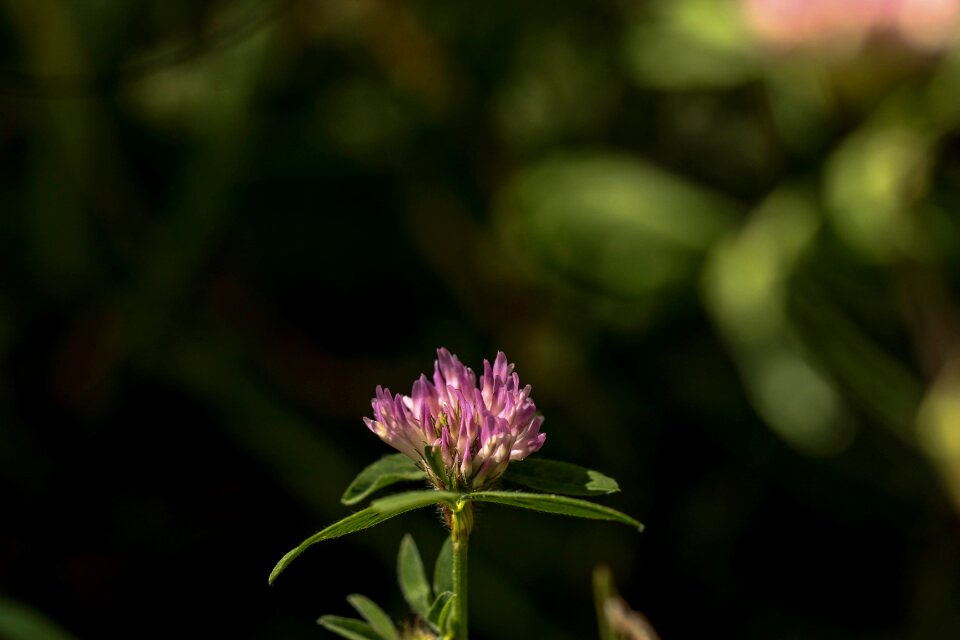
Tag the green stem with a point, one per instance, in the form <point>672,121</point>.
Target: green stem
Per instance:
<point>461,522</point>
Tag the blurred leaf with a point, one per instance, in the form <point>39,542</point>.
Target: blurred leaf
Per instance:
<point>361,520</point>
<point>746,275</point>
<point>379,621</point>
<point>798,400</point>
<point>611,222</point>
<point>552,476</point>
<point>938,427</point>
<point>386,471</point>
<point>413,579</point>
<point>745,289</point>
<point>547,503</point>
<point>875,184</point>
<point>20,622</point>
<point>348,628</point>
<point>690,44</point>
<point>443,569</point>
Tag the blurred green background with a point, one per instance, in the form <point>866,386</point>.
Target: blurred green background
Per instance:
<point>727,265</point>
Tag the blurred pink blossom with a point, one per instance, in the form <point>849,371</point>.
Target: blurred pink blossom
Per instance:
<point>847,24</point>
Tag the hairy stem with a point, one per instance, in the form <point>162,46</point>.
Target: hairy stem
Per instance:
<point>461,523</point>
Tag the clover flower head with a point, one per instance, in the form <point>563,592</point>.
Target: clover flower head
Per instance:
<point>462,431</point>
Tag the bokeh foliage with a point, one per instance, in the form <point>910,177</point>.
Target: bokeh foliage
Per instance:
<point>729,271</point>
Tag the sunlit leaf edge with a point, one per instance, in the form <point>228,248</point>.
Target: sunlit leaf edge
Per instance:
<point>551,503</point>
<point>388,470</point>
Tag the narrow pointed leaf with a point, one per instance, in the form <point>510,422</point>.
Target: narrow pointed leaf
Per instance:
<point>414,500</point>
<point>384,472</point>
<point>348,628</point>
<point>378,620</point>
<point>549,503</point>
<point>553,476</point>
<point>443,569</point>
<point>413,579</point>
<point>444,620</point>
<point>433,616</point>
<point>352,523</point>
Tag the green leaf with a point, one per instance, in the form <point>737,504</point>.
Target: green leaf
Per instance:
<point>443,569</point>
<point>379,621</point>
<point>414,500</point>
<point>552,476</point>
<point>445,619</point>
<point>413,579</point>
<point>348,628</point>
<point>352,523</point>
<point>433,616</point>
<point>384,472</point>
<point>549,503</point>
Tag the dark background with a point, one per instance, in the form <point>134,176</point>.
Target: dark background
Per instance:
<point>729,273</point>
